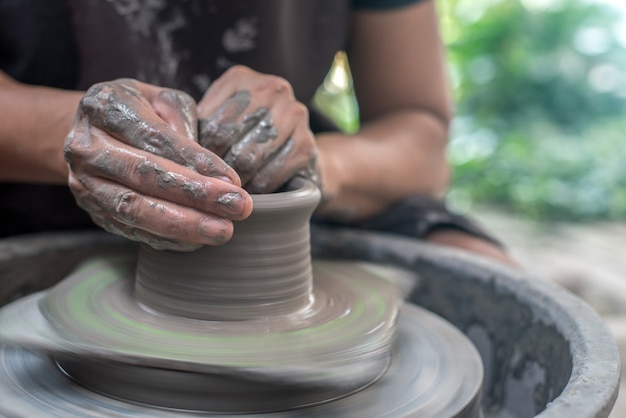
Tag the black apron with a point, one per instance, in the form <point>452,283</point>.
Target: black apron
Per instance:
<point>182,44</point>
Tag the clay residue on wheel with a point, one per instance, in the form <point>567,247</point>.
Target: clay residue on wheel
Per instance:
<point>255,309</point>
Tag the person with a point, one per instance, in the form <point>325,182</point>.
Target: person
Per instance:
<point>163,117</point>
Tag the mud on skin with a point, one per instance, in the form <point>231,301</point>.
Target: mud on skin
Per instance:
<point>136,167</point>
<point>248,139</point>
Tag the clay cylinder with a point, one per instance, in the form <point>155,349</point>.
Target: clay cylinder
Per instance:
<point>263,271</point>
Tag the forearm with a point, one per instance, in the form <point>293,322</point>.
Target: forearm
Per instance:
<point>33,125</point>
<point>390,158</point>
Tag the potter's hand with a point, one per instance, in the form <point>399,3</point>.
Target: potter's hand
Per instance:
<point>136,167</point>
<point>254,122</point>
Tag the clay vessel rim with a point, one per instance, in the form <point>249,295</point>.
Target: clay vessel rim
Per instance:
<point>299,192</point>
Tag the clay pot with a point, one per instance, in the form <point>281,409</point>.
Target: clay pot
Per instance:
<point>263,271</point>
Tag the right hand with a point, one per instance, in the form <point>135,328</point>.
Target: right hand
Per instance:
<point>255,123</point>
<point>136,167</point>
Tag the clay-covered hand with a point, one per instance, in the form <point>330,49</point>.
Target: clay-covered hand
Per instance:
<point>254,122</point>
<point>136,167</point>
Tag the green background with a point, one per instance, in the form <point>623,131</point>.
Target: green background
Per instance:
<point>540,88</point>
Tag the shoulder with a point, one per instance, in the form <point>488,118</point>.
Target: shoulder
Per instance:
<point>381,4</point>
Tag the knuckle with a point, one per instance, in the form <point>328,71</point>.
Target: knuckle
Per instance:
<point>77,147</point>
<point>309,152</point>
<point>124,206</point>
<point>277,84</point>
<point>73,182</point>
<point>95,98</point>
<point>74,137</point>
<point>154,141</point>
<point>111,104</point>
<point>76,186</point>
<point>237,71</point>
<point>309,142</point>
<point>176,98</point>
<point>174,228</point>
<point>299,110</point>
<point>68,148</point>
<point>144,167</point>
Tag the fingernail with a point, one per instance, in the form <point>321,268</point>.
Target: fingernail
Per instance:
<point>217,230</point>
<point>232,201</point>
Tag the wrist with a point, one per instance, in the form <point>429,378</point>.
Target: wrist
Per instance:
<point>33,127</point>
<point>330,174</point>
<point>51,160</point>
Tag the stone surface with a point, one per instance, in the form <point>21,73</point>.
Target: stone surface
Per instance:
<point>524,327</point>
<point>457,286</point>
<point>588,259</point>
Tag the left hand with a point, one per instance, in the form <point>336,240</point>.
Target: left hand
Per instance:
<point>254,122</point>
<point>136,168</point>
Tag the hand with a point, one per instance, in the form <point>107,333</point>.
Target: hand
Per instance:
<point>136,167</point>
<point>254,122</point>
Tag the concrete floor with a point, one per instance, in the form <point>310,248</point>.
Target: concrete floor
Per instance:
<point>588,259</point>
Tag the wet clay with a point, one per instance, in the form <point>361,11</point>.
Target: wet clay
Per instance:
<point>263,271</point>
<point>133,152</point>
<point>248,140</point>
<point>435,372</point>
<point>247,311</point>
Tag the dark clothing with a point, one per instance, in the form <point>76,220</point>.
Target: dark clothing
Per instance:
<point>40,39</point>
<point>73,44</point>
<point>381,4</point>
<point>37,43</point>
<point>187,44</point>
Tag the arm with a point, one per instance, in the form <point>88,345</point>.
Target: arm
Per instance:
<point>399,73</point>
<point>398,67</point>
<point>34,123</point>
<point>133,161</point>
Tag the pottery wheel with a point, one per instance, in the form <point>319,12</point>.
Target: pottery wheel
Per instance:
<point>249,327</point>
<point>435,372</point>
<point>91,321</point>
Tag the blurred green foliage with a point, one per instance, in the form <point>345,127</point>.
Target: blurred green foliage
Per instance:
<point>335,98</point>
<point>540,88</point>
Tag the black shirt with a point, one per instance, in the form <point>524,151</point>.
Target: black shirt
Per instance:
<point>73,44</point>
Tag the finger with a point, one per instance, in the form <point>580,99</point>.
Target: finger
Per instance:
<point>247,145</point>
<point>297,156</point>
<point>160,178</point>
<point>260,144</point>
<point>273,175</point>
<point>178,110</point>
<point>175,107</point>
<point>256,147</point>
<point>135,234</point>
<point>226,126</point>
<point>86,144</point>
<point>237,94</point>
<point>120,111</point>
<point>236,78</point>
<point>240,78</point>
<point>116,204</point>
